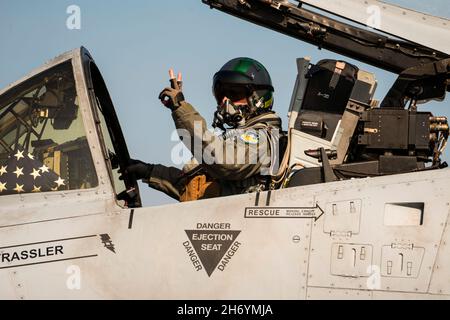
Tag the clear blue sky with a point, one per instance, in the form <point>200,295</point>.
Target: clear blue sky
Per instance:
<point>135,42</point>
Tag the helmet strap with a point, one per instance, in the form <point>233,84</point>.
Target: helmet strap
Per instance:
<point>255,103</point>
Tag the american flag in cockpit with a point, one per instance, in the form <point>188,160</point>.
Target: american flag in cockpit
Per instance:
<point>22,173</point>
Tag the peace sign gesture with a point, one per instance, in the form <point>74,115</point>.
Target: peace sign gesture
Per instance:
<point>173,96</point>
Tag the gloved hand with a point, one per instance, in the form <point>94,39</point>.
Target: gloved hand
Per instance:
<point>139,169</point>
<point>173,96</point>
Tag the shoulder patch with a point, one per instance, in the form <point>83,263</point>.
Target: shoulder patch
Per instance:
<point>250,137</point>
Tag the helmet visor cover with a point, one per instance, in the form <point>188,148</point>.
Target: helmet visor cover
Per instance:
<point>232,92</point>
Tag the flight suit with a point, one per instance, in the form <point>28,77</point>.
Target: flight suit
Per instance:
<point>241,160</point>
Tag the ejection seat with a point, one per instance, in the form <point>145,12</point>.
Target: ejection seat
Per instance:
<point>326,103</point>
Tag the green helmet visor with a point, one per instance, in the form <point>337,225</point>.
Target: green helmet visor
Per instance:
<point>235,86</point>
<point>233,77</point>
<point>232,92</point>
